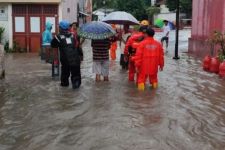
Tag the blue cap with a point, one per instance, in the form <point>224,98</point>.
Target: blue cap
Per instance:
<point>64,25</point>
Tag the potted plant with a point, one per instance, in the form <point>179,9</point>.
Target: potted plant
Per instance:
<point>2,69</point>
<point>207,59</point>
<point>221,54</point>
<point>216,41</point>
<point>1,33</point>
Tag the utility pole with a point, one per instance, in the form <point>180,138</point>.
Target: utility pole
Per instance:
<point>176,57</point>
<point>104,3</point>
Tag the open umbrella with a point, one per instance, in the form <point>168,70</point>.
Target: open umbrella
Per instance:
<point>96,30</point>
<point>172,26</point>
<point>159,23</point>
<point>120,17</point>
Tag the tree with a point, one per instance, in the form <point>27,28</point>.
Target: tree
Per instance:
<point>151,11</point>
<point>185,5</point>
<point>136,8</point>
<point>108,4</point>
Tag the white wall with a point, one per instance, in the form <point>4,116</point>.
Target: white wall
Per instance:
<point>10,25</point>
<point>153,2</point>
<point>60,12</point>
<point>7,24</point>
<point>4,22</point>
<point>168,16</point>
<point>6,33</point>
<point>70,16</point>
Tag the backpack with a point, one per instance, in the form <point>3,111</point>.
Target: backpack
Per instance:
<point>69,54</point>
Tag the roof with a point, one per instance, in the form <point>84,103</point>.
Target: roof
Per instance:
<point>98,13</point>
<point>83,13</point>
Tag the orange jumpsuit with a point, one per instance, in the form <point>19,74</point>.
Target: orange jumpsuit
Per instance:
<point>148,58</point>
<point>129,53</point>
<point>113,50</point>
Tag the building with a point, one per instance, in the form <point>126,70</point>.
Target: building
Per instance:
<point>165,13</point>
<point>85,11</point>
<point>208,16</point>
<point>101,13</point>
<point>24,20</point>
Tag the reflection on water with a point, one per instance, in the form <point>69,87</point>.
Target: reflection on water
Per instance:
<point>186,112</point>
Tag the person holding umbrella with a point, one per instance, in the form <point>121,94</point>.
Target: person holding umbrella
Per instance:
<point>101,58</point>
<point>69,55</point>
<point>166,31</point>
<point>101,34</point>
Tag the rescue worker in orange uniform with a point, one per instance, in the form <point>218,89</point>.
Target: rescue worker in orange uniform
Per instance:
<point>113,46</point>
<point>130,51</point>
<point>148,59</point>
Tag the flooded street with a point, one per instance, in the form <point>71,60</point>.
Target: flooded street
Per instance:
<point>186,112</point>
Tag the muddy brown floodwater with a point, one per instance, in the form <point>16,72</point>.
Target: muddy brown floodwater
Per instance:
<point>186,112</point>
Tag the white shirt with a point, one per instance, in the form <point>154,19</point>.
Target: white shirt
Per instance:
<point>122,46</point>
<point>166,29</point>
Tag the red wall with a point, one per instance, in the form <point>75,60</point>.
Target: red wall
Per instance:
<point>207,16</point>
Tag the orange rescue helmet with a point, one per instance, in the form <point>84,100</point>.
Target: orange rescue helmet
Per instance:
<point>144,23</point>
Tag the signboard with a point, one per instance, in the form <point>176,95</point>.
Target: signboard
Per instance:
<point>3,13</point>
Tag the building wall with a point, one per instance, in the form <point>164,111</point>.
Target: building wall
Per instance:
<point>64,13</point>
<point>208,15</point>
<point>88,8</point>
<point>153,2</point>
<point>69,10</point>
<point>4,21</point>
<point>168,16</point>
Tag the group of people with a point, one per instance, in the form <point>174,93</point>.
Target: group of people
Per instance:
<point>71,53</point>
<point>143,54</point>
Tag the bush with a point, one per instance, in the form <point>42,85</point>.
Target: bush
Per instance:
<point>2,30</point>
<point>218,39</point>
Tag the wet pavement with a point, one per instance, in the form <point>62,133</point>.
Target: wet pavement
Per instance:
<point>186,112</point>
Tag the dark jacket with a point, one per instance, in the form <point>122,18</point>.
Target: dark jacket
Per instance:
<point>69,53</point>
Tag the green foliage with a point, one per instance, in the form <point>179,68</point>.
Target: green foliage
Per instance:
<point>136,8</point>
<point>151,11</point>
<point>136,27</point>
<point>185,5</point>
<point>100,4</point>
<point>218,39</point>
<point>6,47</point>
<point>16,48</point>
<point>2,30</point>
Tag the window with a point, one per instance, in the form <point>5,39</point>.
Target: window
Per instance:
<point>2,11</point>
<point>35,24</point>
<point>19,24</point>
